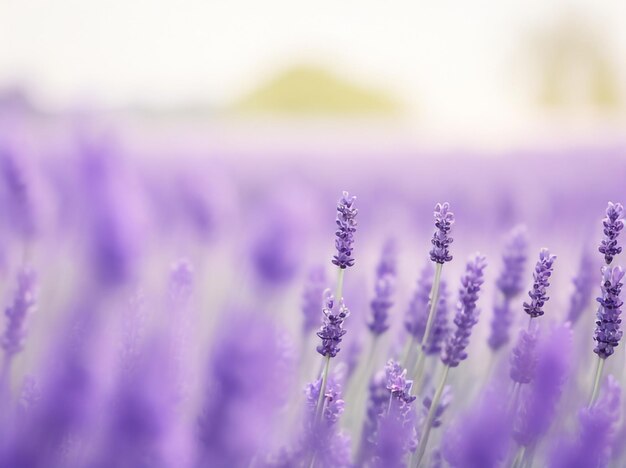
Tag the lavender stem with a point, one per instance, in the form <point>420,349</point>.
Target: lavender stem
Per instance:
<point>339,288</point>
<point>596,382</point>
<point>434,297</point>
<point>319,409</point>
<point>421,449</point>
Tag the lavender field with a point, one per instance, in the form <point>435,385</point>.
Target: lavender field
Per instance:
<point>456,312</point>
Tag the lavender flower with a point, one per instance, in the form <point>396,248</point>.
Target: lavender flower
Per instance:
<point>608,333</point>
<point>346,222</point>
<point>24,304</point>
<point>388,263</point>
<point>509,283</point>
<point>597,431</point>
<point>377,403</point>
<point>444,219</point>
<point>417,312</point>
<point>312,298</point>
<point>539,404</point>
<point>467,313</point>
<point>514,257</point>
<point>381,304</point>
<point>613,224</point>
<point>440,329</point>
<point>541,275</point>
<point>332,330</point>
<point>524,358</point>
<point>397,383</point>
<point>584,282</point>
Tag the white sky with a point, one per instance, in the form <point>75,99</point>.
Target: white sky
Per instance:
<point>453,61</point>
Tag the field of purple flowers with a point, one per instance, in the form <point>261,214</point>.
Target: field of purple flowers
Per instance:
<point>196,312</point>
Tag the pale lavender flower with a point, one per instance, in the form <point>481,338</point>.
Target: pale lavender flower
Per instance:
<point>381,304</point>
<point>417,312</point>
<point>388,263</point>
<point>332,330</point>
<point>514,257</point>
<point>584,282</point>
<point>592,447</point>
<point>509,283</point>
<point>541,275</point>
<point>467,312</point>
<point>613,225</point>
<point>608,333</point>
<point>397,383</point>
<point>313,298</point>
<point>377,403</point>
<point>24,304</point>
<point>444,219</point>
<point>346,227</point>
<point>524,357</point>
<point>539,402</point>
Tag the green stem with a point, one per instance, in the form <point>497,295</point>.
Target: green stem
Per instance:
<point>339,289</point>
<point>421,448</point>
<point>517,461</point>
<point>596,382</point>
<point>320,400</point>
<point>434,296</point>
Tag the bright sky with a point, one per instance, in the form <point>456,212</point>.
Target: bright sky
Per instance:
<point>453,61</point>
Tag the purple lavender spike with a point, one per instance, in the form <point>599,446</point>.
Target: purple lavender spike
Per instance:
<point>592,447</point>
<point>584,282</point>
<point>312,298</point>
<point>24,304</point>
<point>381,304</point>
<point>377,403</point>
<point>388,263</point>
<point>346,227</point>
<point>613,225</point>
<point>524,357</point>
<point>509,283</point>
<point>467,312</point>
<point>539,403</point>
<point>444,219</point>
<point>608,334</point>
<point>417,312</point>
<point>541,275</point>
<point>332,330</point>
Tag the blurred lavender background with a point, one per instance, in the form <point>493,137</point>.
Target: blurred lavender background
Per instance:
<point>168,181</point>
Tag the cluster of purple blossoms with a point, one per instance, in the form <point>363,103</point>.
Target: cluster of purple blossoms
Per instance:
<point>524,357</point>
<point>613,225</point>
<point>467,312</point>
<point>346,222</point>
<point>509,283</point>
<point>541,275</point>
<point>381,304</point>
<point>24,303</point>
<point>444,219</point>
<point>608,333</point>
<point>397,383</point>
<point>332,330</point>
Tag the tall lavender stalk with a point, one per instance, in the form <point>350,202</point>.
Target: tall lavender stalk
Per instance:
<point>509,284</point>
<point>384,289</point>
<point>332,330</point>
<point>607,333</point>
<point>439,254</point>
<point>455,349</point>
